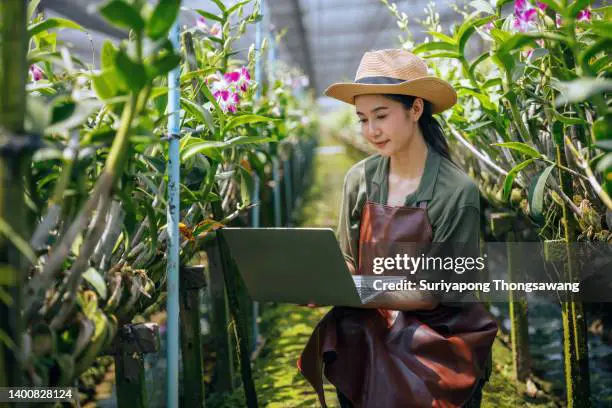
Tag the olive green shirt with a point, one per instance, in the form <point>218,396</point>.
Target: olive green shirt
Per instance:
<point>453,206</point>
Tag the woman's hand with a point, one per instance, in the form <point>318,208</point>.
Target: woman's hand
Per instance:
<point>403,300</point>
<point>310,305</point>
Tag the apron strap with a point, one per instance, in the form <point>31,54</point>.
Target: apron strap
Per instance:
<point>373,194</point>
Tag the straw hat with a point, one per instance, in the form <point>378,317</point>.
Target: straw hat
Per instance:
<point>395,71</point>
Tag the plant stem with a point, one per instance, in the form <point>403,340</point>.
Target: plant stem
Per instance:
<point>13,77</point>
<point>590,176</point>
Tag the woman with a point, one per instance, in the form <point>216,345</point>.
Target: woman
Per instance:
<point>403,349</point>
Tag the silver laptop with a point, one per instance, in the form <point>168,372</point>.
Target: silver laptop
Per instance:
<point>295,265</point>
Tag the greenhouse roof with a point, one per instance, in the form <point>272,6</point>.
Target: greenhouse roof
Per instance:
<point>325,38</point>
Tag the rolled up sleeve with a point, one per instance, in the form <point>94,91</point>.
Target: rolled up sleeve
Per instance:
<point>348,223</point>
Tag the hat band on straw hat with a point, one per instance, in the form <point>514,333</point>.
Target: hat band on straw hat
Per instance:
<point>379,80</point>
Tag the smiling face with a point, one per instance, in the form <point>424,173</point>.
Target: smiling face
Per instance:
<point>386,123</point>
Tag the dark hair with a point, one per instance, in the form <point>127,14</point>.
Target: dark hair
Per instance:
<point>432,131</point>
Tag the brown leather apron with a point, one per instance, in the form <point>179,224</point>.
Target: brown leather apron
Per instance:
<point>422,359</point>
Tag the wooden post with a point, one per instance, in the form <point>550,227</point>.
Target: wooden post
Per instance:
<point>502,225</point>
<point>224,368</point>
<point>521,357</point>
<point>131,343</point>
<point>575,348</point>
<point>192,280</point>
<point>238,313</point>
<point>16,149</point>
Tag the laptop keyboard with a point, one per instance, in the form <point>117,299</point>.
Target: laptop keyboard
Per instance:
<point>365,285</point>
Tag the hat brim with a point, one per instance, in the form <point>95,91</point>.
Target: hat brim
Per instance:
<point>435,90</point>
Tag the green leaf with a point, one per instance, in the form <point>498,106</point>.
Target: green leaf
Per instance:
<point>602,127</point>
<point>467,28</point>
<point>536,54</point>
<point>107,55</point>
<point>567,120</point>
<point>210,16</point>
<point>32,8</point>
<point>442,37</point>
<point>95,279</point>
<point>235,6</point>
<point>162,64</point>
<point>521,147</point>
<point>519,40</point>
<point>483,98</point>
<point>201,114</point>
<point>602,28</point>
<point>162,18</point>
<point>478,125</point>
<point>580,89</point>
<point>512,175</point>
<point>152,224</point>
<point>122,15</point>
<point>482,57</point>
<point>131,72</point>
<point>605,145</point>
<point>601,45</point>
<point>18,242</point>
<point>215,40</point>
<point>492,82</point>
<point>7,341</point>
<point>246,185</point>
<point>204,89</point>
<point>82,111</point>
<point>605,163</point>
<point>504,61</point>
<point>235,121</point>
<point>434,46</point>
<point>500,3</point>
<point>206,145</point>
<point>443,54</point>
<point>38,115</point>
<point>482,5</point>
<point>500,35</point>
<point>51,23</point>
<point>535,195</point>
<point>604,63</point>
<point>220,4</point>
<point>104,84</point>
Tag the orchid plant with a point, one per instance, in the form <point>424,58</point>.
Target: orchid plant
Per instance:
<point>539,83</point>
<point>97,187</point>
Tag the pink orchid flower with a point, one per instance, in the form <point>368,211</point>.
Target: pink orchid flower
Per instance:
<point>220,83</point>
<point>525,14</point>
<point>36,72</point>
<point>233,101</point>
<point>584,15</point>
<point>487,27</point>
<point>201,23</point>
<point>244,79</point>
<point>240,78</point>
<point>232,76</point>
<point>215,31</point>
<point>227,100</point>
<point>520,6</point>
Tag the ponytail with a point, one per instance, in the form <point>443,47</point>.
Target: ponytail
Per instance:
<point>432,131</point>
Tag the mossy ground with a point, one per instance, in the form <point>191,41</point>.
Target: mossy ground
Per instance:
<point>287,327</point>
